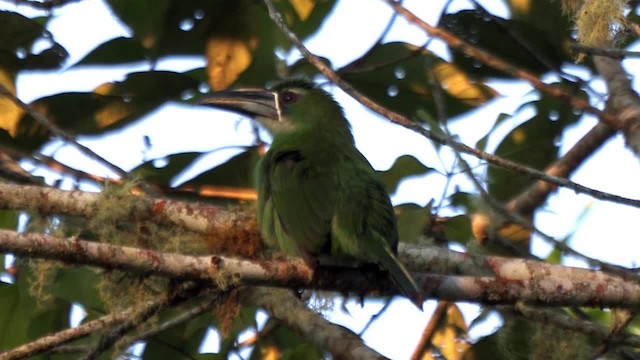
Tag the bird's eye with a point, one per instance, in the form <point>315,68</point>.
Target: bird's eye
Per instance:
<point>288,97</point>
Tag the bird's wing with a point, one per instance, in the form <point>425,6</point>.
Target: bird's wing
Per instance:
<point>364,227</point>
<point>298,202</point>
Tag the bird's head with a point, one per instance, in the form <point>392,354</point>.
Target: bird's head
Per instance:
<point>288,106</point>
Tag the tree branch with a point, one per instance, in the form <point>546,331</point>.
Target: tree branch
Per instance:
<point>282,305</point>
<point>623,101</point>
<point>219,270</point>
<point>495,62</point>
<point>507,280</point>
<point>49,125</point>
<point>129,316</point>
<point>405,122</point>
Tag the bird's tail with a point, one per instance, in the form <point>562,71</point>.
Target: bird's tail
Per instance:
<point>399,274</point>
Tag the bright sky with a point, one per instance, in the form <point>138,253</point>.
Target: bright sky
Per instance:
<point>605,231</point>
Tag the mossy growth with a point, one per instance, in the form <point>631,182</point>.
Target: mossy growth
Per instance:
<point>597,21</point>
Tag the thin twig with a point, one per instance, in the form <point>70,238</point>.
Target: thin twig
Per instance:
<point>59,132</point>
<point>48,342</point>
<point>613,53</point>
<point>111,337</point>
<point>405,122</point>
<point>282,305</point>
<point>429,330</point>
<point>499,64</point>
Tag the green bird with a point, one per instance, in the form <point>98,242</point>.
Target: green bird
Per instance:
<point>317,194</point>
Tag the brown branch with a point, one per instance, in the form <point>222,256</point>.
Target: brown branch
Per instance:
<point>405,122</point>
<point>617,54</point>
<point>430,259</point>
<point>510,280</point>
<point>201,218</point>
<point>565,321</point>
<point>495,62</point>
<point>536,195</point>
<point>49,201</point>
<point>219,270</point>
<point>429,330</point>
<point>623,100</point>
<point>282,305</point>
<point>109,338</point>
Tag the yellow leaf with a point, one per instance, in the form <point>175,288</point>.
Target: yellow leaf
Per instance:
<point>227,59</point>
<point>111,114</point>
<point>450,338</point>
<point>457,84</point>
<point>303,8</point>
<point>521,6</point>
<point>10,113</point>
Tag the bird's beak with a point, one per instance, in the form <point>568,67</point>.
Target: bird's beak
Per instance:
<point>257,103</point>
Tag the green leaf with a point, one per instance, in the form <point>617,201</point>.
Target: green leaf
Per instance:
<point>111,106</point>
<point>145,18</point>
<point>243,321</point>
<point>401,77</point>
<point>458,229</point>
<point>412,221</point>
<point>178,342</point>
<point>404,167</point>
<point>13,325</point>
<point>175,164</point>
<point>115,51</point>
<point>503,39</point>
<point>23,317</point>
<point>8,219</point>
<point>304,17</point>
<point>17,36</point>
<point>533,143</point>
<point>66,287</point>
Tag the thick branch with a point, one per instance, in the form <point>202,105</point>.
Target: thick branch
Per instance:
<point>514,279</point>
<point>282,305</point>
<point>49,201</point>
<point>217,269</point>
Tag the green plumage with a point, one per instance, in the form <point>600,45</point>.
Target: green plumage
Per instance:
<point>317,194</point>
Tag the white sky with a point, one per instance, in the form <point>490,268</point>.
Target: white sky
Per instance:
<point>605,232</point>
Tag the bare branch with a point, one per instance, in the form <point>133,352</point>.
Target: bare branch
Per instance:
<point>617,54</point>
<point>537,193</point>
<point>508,280</point>
<point>623,100</point>
<point>282,305</point>
<point>571,323</point>
<point>215,269</point>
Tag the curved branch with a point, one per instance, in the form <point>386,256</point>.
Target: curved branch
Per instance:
<point>405,122</point>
